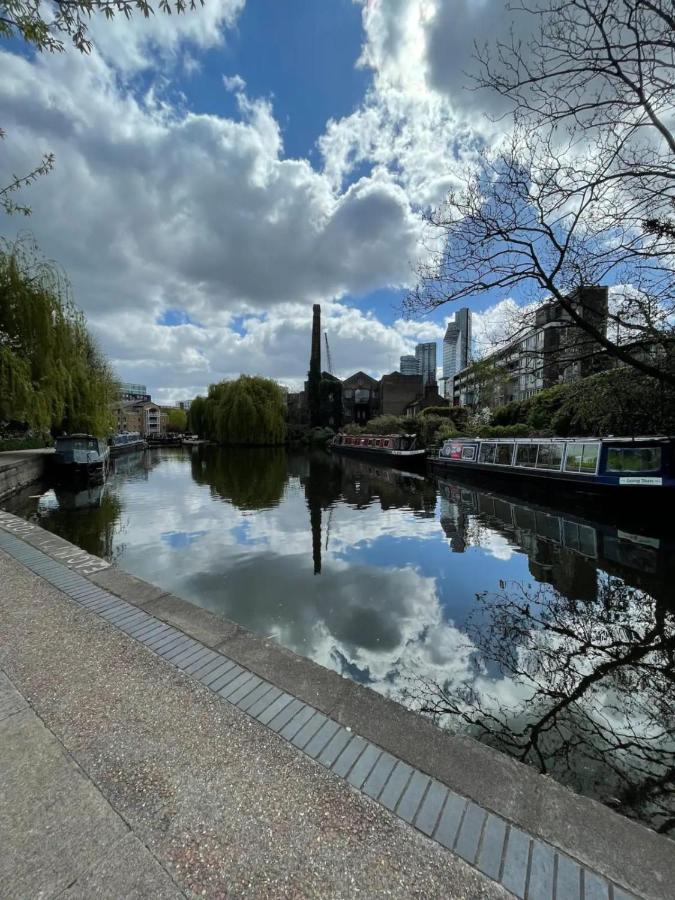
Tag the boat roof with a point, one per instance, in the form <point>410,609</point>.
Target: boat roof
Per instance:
<point>584,440</point>
<point>79,435</point>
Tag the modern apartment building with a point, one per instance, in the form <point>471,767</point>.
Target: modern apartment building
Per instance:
<point>408,365</point>
<point>549,350</point>
<point>146,417</point>
<point>132,392</point>
<point>456,348</point>
<point>425,354</point>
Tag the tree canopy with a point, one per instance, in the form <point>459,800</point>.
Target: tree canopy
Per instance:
<point>53,376</point>
<point>249,410</point>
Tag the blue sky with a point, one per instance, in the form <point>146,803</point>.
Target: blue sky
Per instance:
<point>220,172</point>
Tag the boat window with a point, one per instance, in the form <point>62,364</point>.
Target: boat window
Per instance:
<point>487,453</point>
<point>550,456</point>
<point>582,458</point>
<point>526,454</point>
<point>378,443</point>
<point>504,454</point>
<point>634,459</point>
<point>386,443</point>
<point>468,452</point>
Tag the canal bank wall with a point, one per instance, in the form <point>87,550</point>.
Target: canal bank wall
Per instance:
<point>523,830</point>
<point>19,468</point>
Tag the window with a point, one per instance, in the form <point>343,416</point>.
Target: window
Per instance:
<point>550,456</point>
<point>386,443</point>
<point>468,452</point>
<point>487,453</point>
<point>582,458</point>
<point>348,394</point>
<point>378,443</point>
<point>526,455</point>
<point>634,459</point>
<point>504,454</point>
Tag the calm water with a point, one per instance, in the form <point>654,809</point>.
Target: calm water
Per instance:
<point>548,635</point>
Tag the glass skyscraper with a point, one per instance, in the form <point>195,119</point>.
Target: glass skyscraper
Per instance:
<point>426,361</point>
<point>456,347</point>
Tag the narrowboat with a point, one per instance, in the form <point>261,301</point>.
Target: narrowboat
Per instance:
<point>622,467</point>
<point>394,449</point>
<point>126,442</point>
<point>81,456</point>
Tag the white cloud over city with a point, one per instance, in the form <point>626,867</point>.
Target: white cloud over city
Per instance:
<point>153,208</point>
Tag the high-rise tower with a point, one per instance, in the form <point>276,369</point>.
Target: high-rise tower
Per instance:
<point>456,347</point>
<point>426,361</point>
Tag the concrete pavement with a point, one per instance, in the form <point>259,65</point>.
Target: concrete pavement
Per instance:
<point>122,777</point>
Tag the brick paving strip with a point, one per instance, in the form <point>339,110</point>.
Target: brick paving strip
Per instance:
<point>522,863</point>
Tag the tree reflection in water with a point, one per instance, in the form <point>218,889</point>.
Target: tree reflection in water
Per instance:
<point>595,685</point>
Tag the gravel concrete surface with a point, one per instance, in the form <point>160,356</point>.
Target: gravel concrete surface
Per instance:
<point>163,790</point>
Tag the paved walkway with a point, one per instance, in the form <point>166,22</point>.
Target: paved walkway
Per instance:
<point>181,745</point>
<point>123,777</point>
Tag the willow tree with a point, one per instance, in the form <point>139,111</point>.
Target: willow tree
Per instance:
<point>52,374</point>
<point>249,410</point>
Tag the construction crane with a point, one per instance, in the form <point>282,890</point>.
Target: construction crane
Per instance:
<point>330,361</point>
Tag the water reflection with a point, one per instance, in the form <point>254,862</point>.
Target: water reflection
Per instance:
<point>478,608</point>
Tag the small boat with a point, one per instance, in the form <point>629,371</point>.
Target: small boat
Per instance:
<point>622,467</point>
<point>394,449</point>
<point>126,442</point>
<point>164,440</point>
<point>81,456</point>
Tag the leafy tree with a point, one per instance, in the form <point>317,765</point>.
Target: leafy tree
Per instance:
<point>52,374</point>
<point>176,421</point>
<point>250,410</point>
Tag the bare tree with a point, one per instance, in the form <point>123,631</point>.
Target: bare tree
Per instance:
<point>593,682</point>
<point>580,192</point>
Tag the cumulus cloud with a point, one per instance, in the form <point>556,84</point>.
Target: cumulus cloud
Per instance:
<point>152,207</point>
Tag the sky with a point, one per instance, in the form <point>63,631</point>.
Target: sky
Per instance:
<point>218,173</point>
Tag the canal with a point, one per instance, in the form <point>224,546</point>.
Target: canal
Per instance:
<point>546,633</point>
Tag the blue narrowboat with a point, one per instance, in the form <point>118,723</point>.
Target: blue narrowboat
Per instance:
<point>81,456</point>
<point>635,467</point>
<point>126,442</point>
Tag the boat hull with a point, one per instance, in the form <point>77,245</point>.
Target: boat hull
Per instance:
<point>620,504</point>
<point>119,449</point>
<point>410,460</point>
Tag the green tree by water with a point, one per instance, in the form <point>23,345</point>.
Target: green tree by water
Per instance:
<point>176,421</point>
<point>53,377</point>
<point>249,410</point>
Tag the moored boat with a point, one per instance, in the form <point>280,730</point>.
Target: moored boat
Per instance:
<point>635,467</point>
<point>81,456</point>
<point>394,449</point>
<point>126,442</point>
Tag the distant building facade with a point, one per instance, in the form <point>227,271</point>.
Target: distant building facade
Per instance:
<point>408,365</point>
<point>144,416</point>
<point>456,348</point>
<point>130,391</point>
<point>551,351</point>
<point>428,397</point>
<point>360,398</point>
<point>397,391</point>
<point>426,361</point>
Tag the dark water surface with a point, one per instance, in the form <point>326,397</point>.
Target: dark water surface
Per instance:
<point>547,634</point>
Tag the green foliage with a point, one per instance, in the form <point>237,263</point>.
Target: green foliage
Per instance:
<point>502,431</point>
<point>430,428</point>
<point>436,411</point>
<point>52,374</point>
<point>25,443</point>
<point>176,421</point>
<point>619,402</point>
<point>25,19</point>
<point>320,436</point>
<point>249,410</point>
<point>385,425</point>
